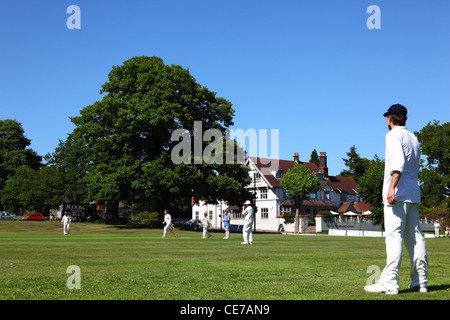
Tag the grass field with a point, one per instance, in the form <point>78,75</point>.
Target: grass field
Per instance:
<point>138,264</point>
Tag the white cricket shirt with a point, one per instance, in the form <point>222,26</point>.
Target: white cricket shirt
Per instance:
<point>402,154</point>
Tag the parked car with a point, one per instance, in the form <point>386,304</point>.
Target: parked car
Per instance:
<point>7,216</point>
<point>192,224</point>
<point>35,217</point>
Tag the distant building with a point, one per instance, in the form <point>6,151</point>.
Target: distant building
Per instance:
<point>271,200</point>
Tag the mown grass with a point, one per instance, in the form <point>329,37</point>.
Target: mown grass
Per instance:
<point>138,264</point>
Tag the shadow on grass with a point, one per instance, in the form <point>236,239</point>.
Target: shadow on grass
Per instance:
<point>133,226</point>
<point>430,288</point>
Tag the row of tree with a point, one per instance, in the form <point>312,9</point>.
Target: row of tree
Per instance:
<point>120,151</point>
<point>434,173</point>
<point>434,138</point>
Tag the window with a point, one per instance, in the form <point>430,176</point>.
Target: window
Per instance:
<point>256,177</point>
<point>313,196</point>
<point>236,214</point>
<point>196,215</point>
<point>279,174</point>
<point>264,213</point>
<point>327,195</point>
<point>263,193</point>
<point>210,215</point>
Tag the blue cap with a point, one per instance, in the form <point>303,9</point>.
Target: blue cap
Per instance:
<point>396,109</point>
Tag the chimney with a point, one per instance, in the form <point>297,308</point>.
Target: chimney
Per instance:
<point>296,157</point>
<point>323,164</point>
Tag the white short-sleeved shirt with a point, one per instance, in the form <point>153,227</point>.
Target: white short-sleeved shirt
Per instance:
<point>403,155</point>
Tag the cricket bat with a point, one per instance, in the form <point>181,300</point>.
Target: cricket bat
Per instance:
<point>174,232</point>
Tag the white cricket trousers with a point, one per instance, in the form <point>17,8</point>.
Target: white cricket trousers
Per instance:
<point>66,228</point>
<point>247,232</point>
<point>167,226</point>
<point>401,222</point>
<point>205,232</point>
<point>227,232</point>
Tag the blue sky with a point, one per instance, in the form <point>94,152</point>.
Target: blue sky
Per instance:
<point>311,69</point>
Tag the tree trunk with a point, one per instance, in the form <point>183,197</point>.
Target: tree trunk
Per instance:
<point>296,220</point>
<point>112,212</point>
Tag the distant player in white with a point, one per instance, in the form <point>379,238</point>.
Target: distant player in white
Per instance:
<point>66,220</point>
<point>247,233</point>
<point>168,223</point>
<point>437,226</point>
<point>205,224</point>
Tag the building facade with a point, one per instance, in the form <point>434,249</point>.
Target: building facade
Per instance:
<point>271,200</point>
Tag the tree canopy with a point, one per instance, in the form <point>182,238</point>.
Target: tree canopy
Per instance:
<point>121,145</point>
<point>357,166</point>
<point>298,183</point>
<point>435,174</point>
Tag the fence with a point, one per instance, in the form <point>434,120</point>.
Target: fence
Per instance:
<point>359,225</point>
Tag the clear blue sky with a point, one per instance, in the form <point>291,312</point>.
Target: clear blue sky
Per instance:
<point>311,69</point>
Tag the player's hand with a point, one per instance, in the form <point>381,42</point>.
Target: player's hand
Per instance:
<point>391,196</point>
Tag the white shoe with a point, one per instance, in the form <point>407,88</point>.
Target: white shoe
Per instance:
<point>378,287</point>
<point>422,288</point>
<point>244,242</point>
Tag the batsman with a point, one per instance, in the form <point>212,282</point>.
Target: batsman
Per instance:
<point>168,224</point>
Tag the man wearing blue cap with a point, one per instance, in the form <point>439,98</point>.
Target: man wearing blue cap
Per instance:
<point>401,197</point>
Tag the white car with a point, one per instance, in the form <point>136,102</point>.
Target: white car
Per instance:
<point>7,216</point>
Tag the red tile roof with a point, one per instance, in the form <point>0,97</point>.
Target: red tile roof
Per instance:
<point>266,164</point>
<point>358,207</point>
<point>339,184</point>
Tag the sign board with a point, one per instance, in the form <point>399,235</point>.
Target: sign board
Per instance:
<point>72,209</point>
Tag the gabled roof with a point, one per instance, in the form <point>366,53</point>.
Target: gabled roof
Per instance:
<point>343,184</point>
<point>358,207</point>
<point>265,165</point>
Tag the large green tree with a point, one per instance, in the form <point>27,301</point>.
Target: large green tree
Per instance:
<point>15,152</point>
<point>298,183</point>
<point>370,187</point>
<point>124,141</point>
<point>357,166</point>
<point>435,171</point>
<point>314,158</point>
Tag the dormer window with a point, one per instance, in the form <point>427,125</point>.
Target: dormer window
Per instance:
<point>279,174</point>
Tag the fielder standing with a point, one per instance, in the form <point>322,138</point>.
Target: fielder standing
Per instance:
<point>247,233</point>
<point>226,224</point>
<point>401,197</point>
<point>66,221</point>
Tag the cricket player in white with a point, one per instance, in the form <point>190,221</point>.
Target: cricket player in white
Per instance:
<point>247,233</point>
<point>205,224</point>
<point>66,220</point>
<point>168,223</point>
<point>437,226</point>
<point>401,197</point>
